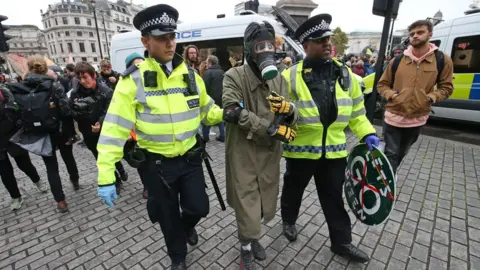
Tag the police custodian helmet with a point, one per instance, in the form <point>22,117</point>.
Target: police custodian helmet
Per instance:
<point>316,27</point>
<point>156,20</point>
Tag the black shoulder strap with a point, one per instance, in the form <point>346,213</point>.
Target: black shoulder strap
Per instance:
<point>440,63</point>
<point>129,71</point>
<point>396,62</point>
<point>191,82</point>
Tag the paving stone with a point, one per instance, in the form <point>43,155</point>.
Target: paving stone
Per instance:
<point>435,224</point>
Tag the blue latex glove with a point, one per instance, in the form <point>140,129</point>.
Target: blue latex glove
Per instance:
<point>108,193</point>
<point>372,140</point>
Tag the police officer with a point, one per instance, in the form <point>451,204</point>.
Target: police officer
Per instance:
<point>165,101</point>
<point>329,99</point>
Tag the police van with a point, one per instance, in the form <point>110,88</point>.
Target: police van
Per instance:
<point>222,37</point>
<point>460,39</point>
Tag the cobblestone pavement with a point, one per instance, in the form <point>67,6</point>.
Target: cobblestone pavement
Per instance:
<point>435,224</point>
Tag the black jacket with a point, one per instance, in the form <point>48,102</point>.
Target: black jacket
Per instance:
<point>213,79</point>
<point>102,95</point>
<point>104,79</point>
<point>33,81</point>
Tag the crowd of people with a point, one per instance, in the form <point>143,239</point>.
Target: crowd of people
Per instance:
<point>151,113</point>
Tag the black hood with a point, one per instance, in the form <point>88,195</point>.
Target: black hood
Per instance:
<point>35,80</point>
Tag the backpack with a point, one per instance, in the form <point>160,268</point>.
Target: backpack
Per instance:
<point>8,113</point>
<point>39,113</point>
<point>440,58</point>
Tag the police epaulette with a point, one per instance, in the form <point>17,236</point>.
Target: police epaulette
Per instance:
<point>129,71</point>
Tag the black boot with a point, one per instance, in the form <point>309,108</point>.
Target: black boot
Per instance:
<point>192,237</point>
<point>178,266</point>
<point>123,176</point>
<point>351,252</point>
<point>258,251</point>
<point>290,231</point>
<point>246,260</point>
<point>75,183</point>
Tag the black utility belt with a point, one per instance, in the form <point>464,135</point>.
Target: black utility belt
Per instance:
<point>192,153</point>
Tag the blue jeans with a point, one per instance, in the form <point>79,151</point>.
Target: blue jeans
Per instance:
<point>206,131</point>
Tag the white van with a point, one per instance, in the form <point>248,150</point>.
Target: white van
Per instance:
<point>460,39</point>
<point>222,37</point>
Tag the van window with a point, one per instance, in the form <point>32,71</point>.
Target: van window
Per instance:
<point>221,48</point>
<point>466,54</point>
<point>436,42</point>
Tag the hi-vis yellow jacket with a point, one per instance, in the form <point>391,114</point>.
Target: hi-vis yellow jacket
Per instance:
<point>309,141</point>
<point>165,120</point>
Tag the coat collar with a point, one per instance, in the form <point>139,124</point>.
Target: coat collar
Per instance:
<point>253,81</point>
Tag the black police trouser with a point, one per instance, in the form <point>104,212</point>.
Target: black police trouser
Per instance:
<point>91,143</point>
<point>398,141</point>
<point>329,175</point>
<point>7,173</point>
<point>166,179</point>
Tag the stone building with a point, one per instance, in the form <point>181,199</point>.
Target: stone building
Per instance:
<point>70,28</point>
<point>27,40</point>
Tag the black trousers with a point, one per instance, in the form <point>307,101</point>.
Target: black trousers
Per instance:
<point>329,175</point>
<point>8,177</point>
<point>397,143</point>
<point>166,180</point>
<point>66,151</point>
<point>91,143</point>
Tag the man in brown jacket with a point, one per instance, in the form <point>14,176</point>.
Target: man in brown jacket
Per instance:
<point>411,95</point>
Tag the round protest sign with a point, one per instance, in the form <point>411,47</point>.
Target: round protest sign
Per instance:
<point>370,185</point>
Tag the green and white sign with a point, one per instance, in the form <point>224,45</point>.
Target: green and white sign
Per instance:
<point>370,185</point>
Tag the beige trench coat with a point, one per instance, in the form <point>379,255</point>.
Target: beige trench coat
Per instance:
<point>252,158</point>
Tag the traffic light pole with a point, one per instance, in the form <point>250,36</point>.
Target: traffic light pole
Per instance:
<point>380,59</point>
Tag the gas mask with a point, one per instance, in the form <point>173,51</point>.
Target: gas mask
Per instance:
<point>260,49</point>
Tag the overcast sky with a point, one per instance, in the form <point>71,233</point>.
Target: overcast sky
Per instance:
<point>350,15</point>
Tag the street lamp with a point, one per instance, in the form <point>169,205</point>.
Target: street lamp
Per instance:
<point>92,2</point>
<point>105,29</point>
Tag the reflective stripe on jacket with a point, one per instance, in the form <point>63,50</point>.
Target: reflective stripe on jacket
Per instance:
<point>351,113</point>
<point>165,120</point>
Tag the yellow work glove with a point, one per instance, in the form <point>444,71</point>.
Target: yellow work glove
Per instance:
<point>282,133</point>
<point>278,104</point>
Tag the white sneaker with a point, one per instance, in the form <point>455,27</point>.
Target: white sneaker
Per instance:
<point>16,204</point>
<point>41,186</point>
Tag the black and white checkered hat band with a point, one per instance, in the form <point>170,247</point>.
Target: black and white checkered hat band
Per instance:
<point>319,27</point>
<point>164,20</point>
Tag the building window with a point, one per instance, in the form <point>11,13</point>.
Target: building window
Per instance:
<point>84,59</point>
<point>79,33</point>
<point>58,34</point>
<point>122,18</point>
<point>49,24</point>
<point>55,48</point>
<point>61,47</point>
<point>67,33</point>
<point>77,20</point>
<point>128,19</point>
<point>91,34</point>
<point>56,21</point>
<point>82,47</point>
<point>46,26</point>
<point>65,20</point>
<point>466,55</point>
<point>64,60</point>
<point>93,47</point>
<point>95,59</point>
<point>89,22</point>
<point>104,47</point>
<point>116,16</point>
<point>123,10</point>
<point>70,47</point>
